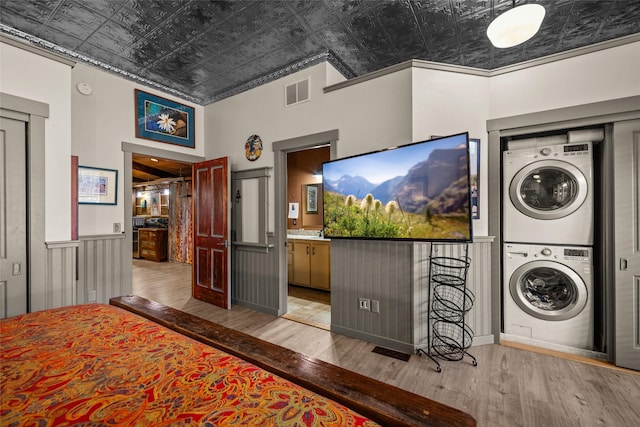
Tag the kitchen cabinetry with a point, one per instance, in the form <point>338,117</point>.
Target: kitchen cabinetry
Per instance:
<point>309,263</point>
<point>153,243</point>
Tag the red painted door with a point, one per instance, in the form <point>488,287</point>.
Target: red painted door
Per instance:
<point>211,230</point>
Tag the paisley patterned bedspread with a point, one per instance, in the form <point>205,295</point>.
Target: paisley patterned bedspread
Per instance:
<point>96,364</point>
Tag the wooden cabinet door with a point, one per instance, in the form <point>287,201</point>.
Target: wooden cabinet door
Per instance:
<point>301,263</point>
<point>320,267</point>
<point>290,261</point>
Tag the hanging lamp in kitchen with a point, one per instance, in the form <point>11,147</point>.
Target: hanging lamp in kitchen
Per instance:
<point>516,26</point>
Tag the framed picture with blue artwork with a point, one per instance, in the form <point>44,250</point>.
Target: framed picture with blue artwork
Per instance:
<point>162,120</point>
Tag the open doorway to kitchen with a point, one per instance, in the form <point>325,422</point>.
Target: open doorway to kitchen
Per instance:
<point>158,221</point>
<point>305,289</point>
<point>162,222</point>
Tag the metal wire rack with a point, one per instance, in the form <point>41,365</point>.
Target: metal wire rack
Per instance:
<point>450,301</point>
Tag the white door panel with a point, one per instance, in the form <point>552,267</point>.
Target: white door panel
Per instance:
<point>626,139</point>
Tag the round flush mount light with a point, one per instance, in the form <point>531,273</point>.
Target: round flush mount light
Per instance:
<point>516,25</point>
<point>84,88</point>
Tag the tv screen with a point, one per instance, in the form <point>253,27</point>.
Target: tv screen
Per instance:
<point>419,191</point>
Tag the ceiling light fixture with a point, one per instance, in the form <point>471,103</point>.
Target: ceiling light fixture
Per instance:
<point>516,26</point>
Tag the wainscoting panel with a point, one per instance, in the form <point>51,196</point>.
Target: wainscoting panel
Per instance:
<point>100,268</point>
<point>397,275</point>
<point>374,270</point>
<point>3,299</point>
<point>254,278</point>
<point>60,282</point>
<point>56,286</point>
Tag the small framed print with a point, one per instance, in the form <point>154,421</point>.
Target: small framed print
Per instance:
<point>312,198</point>
<point>97,186</point>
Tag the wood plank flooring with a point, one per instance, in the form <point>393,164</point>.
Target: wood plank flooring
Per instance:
<point>509,387</point>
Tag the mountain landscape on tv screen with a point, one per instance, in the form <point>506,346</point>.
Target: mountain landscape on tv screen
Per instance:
<point>430,202</point>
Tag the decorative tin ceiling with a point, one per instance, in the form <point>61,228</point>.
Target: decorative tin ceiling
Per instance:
<point>206,50</point>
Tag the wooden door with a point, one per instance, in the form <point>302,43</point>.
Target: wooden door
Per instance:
<point>13,218</point>
<point>211,231</point>
<point>626,143</point>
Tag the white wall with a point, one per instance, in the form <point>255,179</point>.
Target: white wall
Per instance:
<point>101,122</point>
<point>599,76</point>
<point>394,109</point>
<point>40,79</point>
<point>369,116</point>
<point>446,103</point>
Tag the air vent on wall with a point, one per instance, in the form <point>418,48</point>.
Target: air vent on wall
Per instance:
<point>296,93</point>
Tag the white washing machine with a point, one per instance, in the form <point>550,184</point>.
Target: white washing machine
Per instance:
<point>548,194</point>
<point>548,294</point>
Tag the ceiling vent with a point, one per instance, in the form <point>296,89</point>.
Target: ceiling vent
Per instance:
<point>296,93</point>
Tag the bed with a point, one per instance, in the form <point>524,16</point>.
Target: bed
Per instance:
<point>137,362</point>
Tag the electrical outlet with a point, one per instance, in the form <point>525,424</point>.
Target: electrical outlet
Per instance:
<point>364,304</point>
<point>375,306</point>
<point>117,228</point>
<point>92,296</point>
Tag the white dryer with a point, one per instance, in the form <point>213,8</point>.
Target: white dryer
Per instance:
<point>548,294</point>
<point>548,194</point>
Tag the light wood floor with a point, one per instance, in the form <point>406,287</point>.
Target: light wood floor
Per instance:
<point>309,306</point>
<point>509,387</point>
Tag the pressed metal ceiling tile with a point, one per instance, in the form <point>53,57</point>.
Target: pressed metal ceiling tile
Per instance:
<point>622,19</point>
<point>315,15</point>
<point>38,11</point>
<point>22,23</point>
<point>105,8</point>
<point>62,39</point>
<point>112,36</point>
<point>204,50</point>
<point>272,12</point>
<point>75,19</point>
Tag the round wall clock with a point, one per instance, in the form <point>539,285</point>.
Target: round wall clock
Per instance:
<point>253,148</point>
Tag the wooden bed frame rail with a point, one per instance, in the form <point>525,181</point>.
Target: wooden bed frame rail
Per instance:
<point>383,403</point>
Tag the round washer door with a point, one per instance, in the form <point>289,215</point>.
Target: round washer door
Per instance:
<point>548,189</point>
<point>548,290</point>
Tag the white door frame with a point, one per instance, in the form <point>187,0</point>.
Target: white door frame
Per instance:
<point>34,113</point>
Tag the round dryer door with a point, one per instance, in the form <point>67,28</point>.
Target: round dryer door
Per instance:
<point>548,290</point>
<point>548,189</point>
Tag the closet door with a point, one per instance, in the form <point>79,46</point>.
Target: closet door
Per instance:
<point>13,218</point>
<point>626,142</point>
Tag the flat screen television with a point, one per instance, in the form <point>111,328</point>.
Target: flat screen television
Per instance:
<point>420,191</point>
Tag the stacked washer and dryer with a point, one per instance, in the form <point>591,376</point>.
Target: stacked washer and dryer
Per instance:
<point>548,229</point>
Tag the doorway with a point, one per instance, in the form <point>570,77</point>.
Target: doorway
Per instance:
<point>298,162</point>
<point>308,256</point>
<point>160,185</point>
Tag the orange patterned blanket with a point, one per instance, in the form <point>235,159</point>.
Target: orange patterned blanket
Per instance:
<point>97,364</point>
